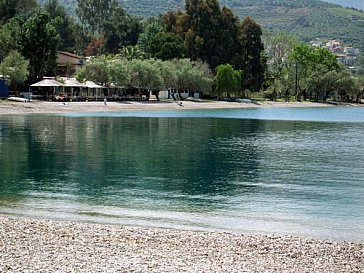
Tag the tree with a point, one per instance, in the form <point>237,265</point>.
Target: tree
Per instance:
<point>146,76</point>
<point>120,72</point>
<point>280,46</point>
<point>169,75</point>
<point>120,30</point>
<point>167,46</point>
<point>64,25</point>
<point>94,47</point>
<point>93,13</point>
<point>39,44</point>
<point>151,27</point>
<point>16,68</point>
<point>192,77</point>
<point>254,62</point>
<point>216,36</point>
<point>132,52</point>
<point>304,61</point>
<point>10,36</point>
<point>11,8</point>
<point>98,71</point>
<point>227,79</point>
<point>211,31</point>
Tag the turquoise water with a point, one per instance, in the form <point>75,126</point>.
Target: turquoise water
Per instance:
<point>285,171</point>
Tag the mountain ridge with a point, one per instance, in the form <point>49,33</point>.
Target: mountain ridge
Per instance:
<point>307,19</point>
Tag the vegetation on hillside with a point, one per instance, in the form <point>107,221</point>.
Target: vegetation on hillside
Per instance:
<point>307,19</point>
<point>357,4</point>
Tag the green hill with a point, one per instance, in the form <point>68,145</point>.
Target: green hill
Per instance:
<point>357,4</point>
<point>307,19</point>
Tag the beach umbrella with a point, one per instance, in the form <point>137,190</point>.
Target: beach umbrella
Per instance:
<point>73,83</point>
<point>92,85</point>
<point>48,83</point>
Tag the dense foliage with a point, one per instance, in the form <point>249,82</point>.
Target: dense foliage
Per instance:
<point>314,74</point>
<point>216,36</point>
<point>178,75</point>
<point>307,19</point>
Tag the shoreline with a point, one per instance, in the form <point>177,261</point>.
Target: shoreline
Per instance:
<point>59,246</point>
<point>42,107</point>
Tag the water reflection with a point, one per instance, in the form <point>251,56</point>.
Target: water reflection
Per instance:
<point>222,174</point>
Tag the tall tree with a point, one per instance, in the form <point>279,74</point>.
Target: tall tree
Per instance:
<point>151,27</point>
<point>39,44</point>
<point>254,63</point>
<point>211,31</point>
<point>10,36</point>
<point>215,35</point>
<point>120,30</point>
<point>304,60</point>
<point>63,23</point>
<point>167,46</point>
<point>93,13</point>
<point>12,8</point>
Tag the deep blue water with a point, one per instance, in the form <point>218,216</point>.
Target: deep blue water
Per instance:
<point>286,171</point>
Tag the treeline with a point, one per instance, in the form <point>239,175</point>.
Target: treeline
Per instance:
<point>299,72</point>
<point>204,48</point>
<point>150,75</point>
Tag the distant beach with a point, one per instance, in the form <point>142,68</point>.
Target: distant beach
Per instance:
<point>42,107</point>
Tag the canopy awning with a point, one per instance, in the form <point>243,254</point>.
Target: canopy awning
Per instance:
<point>91,84</point>
<point>73,83</point>
<point>47,83</point>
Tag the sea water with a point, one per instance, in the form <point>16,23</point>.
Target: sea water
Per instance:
<point>285,171</point>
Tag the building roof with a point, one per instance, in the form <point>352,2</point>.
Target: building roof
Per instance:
<point>71,55</point>
<point>70,82</point>
<point>47,83</point>
<point>91,84</point>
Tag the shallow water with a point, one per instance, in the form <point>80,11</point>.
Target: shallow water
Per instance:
<point>292,171</point>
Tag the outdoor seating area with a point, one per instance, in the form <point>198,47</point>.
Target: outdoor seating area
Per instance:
<point>69,89</point>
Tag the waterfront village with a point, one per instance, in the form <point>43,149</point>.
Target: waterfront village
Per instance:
<point>346,55</point>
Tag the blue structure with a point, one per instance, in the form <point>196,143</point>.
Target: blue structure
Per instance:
<point>4,89</point>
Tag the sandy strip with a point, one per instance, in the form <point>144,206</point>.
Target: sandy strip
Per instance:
<point>28,245</point>
<point>42,107</point>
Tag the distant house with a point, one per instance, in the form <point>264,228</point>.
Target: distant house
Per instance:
<point>346,59</point>
<point>69,63</point>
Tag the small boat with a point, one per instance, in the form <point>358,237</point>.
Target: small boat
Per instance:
<point>17,99</point>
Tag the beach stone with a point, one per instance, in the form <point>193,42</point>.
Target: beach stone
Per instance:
<point>28,245</point>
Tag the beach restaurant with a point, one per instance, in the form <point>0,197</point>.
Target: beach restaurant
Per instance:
<point>67,90</point>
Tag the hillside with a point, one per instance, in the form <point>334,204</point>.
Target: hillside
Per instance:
<point>357,4</point>
<point>307,19</point>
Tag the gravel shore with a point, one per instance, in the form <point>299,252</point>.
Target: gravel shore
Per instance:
<point>29,245</point>
<point>43,107</point>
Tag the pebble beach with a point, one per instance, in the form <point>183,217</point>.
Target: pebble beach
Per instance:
<point>34,245</point>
